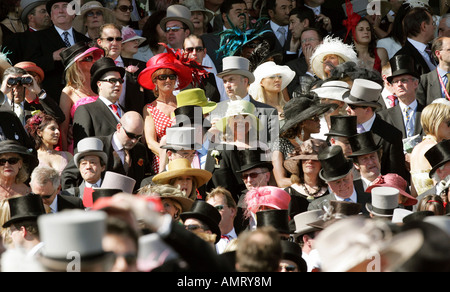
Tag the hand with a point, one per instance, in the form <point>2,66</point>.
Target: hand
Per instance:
<point>295,45</point>
<point>308,51</point>
<point>32,90</point>
<point>56,56</point>
<point>326,22</point>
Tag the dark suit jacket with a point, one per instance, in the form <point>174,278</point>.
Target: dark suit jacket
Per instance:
<point>211,41</point>
<point>361,195</point>
<point>93,119</point>
<point>420,64</point>
<point>13,129</point>
<point>66,202</point>
<point>394,117</point>
<point>300,67</point>
<point>140,165</point>
<point>41,46</point>
<point>429,88</point>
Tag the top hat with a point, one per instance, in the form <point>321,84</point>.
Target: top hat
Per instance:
<point>195,96</point>
<point>334,164</point>
<point>104,192</point>
<point>207,214</point>
<point>438,155</point>
<point>101,67</point>
<point>11,146</point>
<point>402,65</point>
<point>308,151</point>
<point>303,219</point>
<point>301,109</point>
<point>364,93</point>
<point>28,6</point>
<point>28,207</point>
<point>188,116</point>
<point>336,90</point>
<point>338,210</point>
<point>49,5</point>
<point>79,21</point>
<point>250,159</point>
<point>279,219</point>
<point>182,167</point>
<point>113,180</point>
<point>293,252</point>
<point>395,181</point>
<point>180,13</point>
<point>183,138</point>
<point>237,66</point>
<point>342,126</point>
<point>199,5</point>
<point>72,54</point>
<point>89,146</point>
<point>384,201</point>
<point>363,144</point>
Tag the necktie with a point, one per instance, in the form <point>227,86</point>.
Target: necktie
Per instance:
<point>347,200</point>
<point>408,125</point>
<point>360,129</point>
<point>115,109</point>
<point>392,99</point>
<point>48,210</point>
<point>66,39</point>
<point>126,160</point>
<point>282,37</point>
<point>430,55</point>
<point>87,197</point>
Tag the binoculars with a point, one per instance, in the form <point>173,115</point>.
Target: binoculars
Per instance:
<point>20,80</point>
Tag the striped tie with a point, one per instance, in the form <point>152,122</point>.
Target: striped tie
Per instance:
<point>66,39</point>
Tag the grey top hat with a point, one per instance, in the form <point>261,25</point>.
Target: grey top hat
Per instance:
<point>113,180</point>
<point>237,65</point>
<point>182,138</point>
<point>90,146</point>
<point>364,93</point>
<point>27,6</point>
<point>384,201</point>
<point>302,219</point>
<point>180,13</point>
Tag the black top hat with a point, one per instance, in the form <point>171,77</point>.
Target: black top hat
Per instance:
<point>438,155</point>
<point>334,164</point>
<point>102,66</point>
<point>206,213</point>
<point>188,116</point>
<point>363,144</point>
<point>402,65</point>
<point>50,3</point>
<point>99,193</point>
<point>292,251</point>
<point>27,207</point>
<point>279,219</point>
<point>303,108</point>
<point>68,55</point>
<point>29,158</point>
<point>250,159</point>
<point>342,126</point>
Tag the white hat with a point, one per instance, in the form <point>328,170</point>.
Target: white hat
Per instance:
<point>268,69</point>
<point>384,201</point>
<point>337,90</point>
<point>399,214</point>
<point>118,181</point>
<point>90,146</point>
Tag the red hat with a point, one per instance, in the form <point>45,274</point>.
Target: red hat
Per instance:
<point>395,181</point>
<point>165,61</point>
<point>30,66</point>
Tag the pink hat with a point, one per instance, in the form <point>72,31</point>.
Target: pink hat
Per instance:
<point>267,196</point>
<point>395,181</point>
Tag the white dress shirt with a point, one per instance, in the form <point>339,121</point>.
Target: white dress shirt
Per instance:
<point>69,37</point>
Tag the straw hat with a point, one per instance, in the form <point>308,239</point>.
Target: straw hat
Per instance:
<point>309,150</point>
<point>78,22</point>
<point>268,69</point>
<point>182,167</point>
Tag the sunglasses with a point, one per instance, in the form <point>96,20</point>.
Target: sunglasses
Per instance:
<point>173,28</point>
<point>111,39</point>
<point>11,161</point>
<point>198,49</point>
<point>125,8</point>
<point>252,175</point>
<point>193,227</point>
<point>113,80</point>
<point>164,77</point>
<point>88,59</point>
<point>94,13</point>
<point>131,135</point>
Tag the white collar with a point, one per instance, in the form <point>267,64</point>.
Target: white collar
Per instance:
<point>317,10</point>
<point>418,45</point>
<point>368,124</point>
<point>60,31</point>
<point>403,106</point>
<point>353,197</point>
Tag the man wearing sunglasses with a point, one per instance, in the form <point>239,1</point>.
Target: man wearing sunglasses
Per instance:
<point>177,25</point>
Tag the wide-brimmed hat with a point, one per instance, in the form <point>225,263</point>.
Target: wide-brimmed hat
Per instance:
<point>293,252</point>
<point>253,158</point>
<point>331,46</point>
<point>235,65</point>
<point>309,150</point>
<point>438,155</point>
<point>238,108</point>
<point>384,201</point>
<point>100,68</point>
<point>90,146</point>
<point>165,61</point>
<point>76,52</point>
<point>364,93</point>
<point>337,210</point>
<point>206,213</point>
<point>129,35</point>
<point>303,219</point>
<point>395,181</point>
<point>268,69</point>
<point>182,167</point>
<point>336,90</point>
<point>28,6</point>
<point>178,12</point>
<point>182,138</point>
<point>114,180</point>
<point>78,22</point>
<point>402,65</point>
<point>185,202</point>
<point>279,219</point>
<point>334,163</point>
<point>269,196</point>
<point>195,96</point>
<point>31,67</point>
<point>28,207</point>
<point>11,146</point>
<point>342,126</point>
<point>363,144</point>
<point>73,231</point>
<point>199,5</point>
<point>301,109</point>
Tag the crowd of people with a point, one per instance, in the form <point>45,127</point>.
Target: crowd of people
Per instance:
<point>219,136</point>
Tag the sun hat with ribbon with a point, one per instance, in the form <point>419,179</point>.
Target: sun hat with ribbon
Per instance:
<point>182,167</point>
<point>79,21</point>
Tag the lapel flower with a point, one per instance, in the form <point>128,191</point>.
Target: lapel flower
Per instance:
<point>216,155</point>
<point>132,69</point>
<point>140,162</point>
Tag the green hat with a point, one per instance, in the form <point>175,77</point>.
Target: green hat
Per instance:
<point>195,96</point>
<point>236,108</point>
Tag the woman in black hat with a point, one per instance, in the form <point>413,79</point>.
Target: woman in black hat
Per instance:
<point>302,118</point>
<point>16,164</point>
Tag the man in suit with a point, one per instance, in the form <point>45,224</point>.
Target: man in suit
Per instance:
<point>125,154</point>
<point>45,46</point>
<point>337,172</point>
<point>46,182</point>
<point>101,117</point>
<point>430,86</point>
<point>419,27</point>
<point>327,19</point>
<point>278,12</point>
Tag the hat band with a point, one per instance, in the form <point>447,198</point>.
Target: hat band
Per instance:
<point>382,211</point>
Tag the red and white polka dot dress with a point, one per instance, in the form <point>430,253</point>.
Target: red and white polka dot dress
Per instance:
<point>162,122</point>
